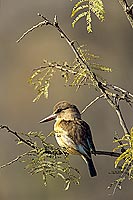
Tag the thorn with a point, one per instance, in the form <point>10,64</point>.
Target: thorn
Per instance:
<point>40,15</point>
<point>55,21</point>
<point>61,35</point>
<point>72,42</point>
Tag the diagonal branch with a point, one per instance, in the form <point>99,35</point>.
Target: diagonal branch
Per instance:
<point>92,102</point>
<point>128,10</point>
<point>31,29</point>
<point>27,142</point>
<point>14,160</point>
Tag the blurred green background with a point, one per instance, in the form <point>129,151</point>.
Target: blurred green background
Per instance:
<point>112,40</point>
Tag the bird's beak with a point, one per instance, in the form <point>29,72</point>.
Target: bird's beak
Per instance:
<point>49,118</point>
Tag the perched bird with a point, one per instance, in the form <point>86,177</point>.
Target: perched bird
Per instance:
<point>72,132</point>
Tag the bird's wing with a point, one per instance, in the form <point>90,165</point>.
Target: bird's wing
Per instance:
<point>79,131</point>
<point>87,135</point>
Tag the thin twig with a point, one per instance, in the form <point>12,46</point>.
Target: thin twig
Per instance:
<point>121,120</point>
<point>118,183</point>
<point>122,90</point>
<point>92,102</point>
<point>107,153</point>
<point>14,160</point>
<point>57,66</point>
<point>29,143</point>
<point>120,142</point>
<point>31,29</point>
<point>128,10</point>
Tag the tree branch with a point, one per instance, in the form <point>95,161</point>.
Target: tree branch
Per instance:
<point>14,160</point>
<point>61,67</point>
<point>107,153</point>
<point>31,29</point>
<point>92,102</point>
<point>58,151</point>
<point>28,143</point>
<point>128,10</point>
<point>121,120</point>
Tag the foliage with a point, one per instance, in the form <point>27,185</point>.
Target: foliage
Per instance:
<point>86,7</point>
<point>45,159</point>
<point>41,82</point>
<point>127,156</point>
<point>74,75</point>
<point>125,169</point>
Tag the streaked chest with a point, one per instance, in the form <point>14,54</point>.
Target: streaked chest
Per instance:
<point>64,139</point>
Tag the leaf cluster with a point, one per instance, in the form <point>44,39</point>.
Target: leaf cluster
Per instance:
<point>47,160</point>
<point>84,8</point>
<point>123,163</point>
<point>75,74</point>
<point>41,83</point>
<point>127,156</point>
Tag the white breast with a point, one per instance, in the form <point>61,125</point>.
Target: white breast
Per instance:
<point>64,141</point>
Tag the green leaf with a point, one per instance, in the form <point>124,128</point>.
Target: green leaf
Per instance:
<point>126,163</point>
<point>20,142</point>
<point>83,14</point>
<point>85,7</point>
<point>88,21</point>
<point>79,3</point>
<point>75,10</point>
<point>121,157</point>
<point>120,146</point>
<point>67,185</point>
<point>41,81</point>
<point>96,6</point>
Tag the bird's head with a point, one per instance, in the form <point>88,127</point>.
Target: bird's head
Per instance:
<point>63,110</point>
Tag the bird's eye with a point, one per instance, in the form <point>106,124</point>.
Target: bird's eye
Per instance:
<point>59,110</point>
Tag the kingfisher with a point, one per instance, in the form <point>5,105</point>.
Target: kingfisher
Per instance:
<point>72,133</point>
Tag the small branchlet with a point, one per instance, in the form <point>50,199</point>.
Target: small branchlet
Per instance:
<point>128,9</point>
<point>92,102</point>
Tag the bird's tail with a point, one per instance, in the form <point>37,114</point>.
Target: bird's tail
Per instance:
<point>92,169</point>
